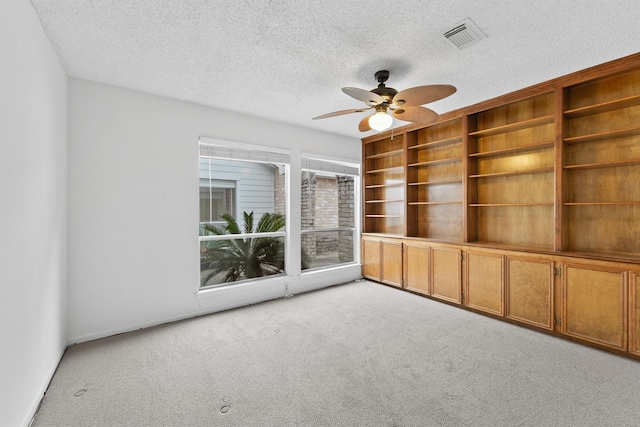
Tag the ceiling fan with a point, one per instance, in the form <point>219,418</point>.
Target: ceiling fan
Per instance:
<point>405,105</point>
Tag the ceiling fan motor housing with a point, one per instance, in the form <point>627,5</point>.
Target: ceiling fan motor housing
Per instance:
<point>387,93</point>
<point>382,76</point>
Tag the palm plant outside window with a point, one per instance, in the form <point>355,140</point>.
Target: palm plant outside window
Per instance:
<point>251,243</point>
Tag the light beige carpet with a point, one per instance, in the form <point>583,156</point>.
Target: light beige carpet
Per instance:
<point>359,354</point>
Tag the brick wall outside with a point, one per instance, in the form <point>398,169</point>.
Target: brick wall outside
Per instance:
<point>346,217</point>
<point>280,196</point>
<point>308,207</point>
<point>325,202</point>
<point>326,213</point>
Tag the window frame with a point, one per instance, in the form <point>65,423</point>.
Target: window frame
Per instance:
<point>316,163</point>
<point>234,151</point>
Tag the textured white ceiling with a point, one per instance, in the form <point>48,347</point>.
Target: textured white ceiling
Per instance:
<point>286,60</point>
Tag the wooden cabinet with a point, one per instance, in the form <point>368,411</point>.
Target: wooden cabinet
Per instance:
<point>484,282</point>
<point>434,181</point>
<point>446,274</point>
<point>634,313</point>
<point>417,262</point>
<point>529,291</point>
<point>382,260</point>
<point>590,301</point>
<point>391,262</point>
<point>594,306</point>
<point>383,177</point>
<point>539,188</point>
<point>371,259</point>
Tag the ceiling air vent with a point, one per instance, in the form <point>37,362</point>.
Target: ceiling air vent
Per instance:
<point>464,34</point>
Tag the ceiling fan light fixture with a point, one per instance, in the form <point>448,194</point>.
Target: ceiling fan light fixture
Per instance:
<point>405,105</point>
<point>380,121</point>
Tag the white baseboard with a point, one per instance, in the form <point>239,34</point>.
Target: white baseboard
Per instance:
<point>220,302</point>
<point>225,298</point>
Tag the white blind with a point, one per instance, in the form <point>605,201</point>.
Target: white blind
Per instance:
<point>339,168</point>
<point>217,183</point>
<point>243,153</point>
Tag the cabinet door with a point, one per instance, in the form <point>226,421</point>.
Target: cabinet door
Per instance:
<point>446,274</point>
<point>594,304</point>
<point>529,291</point>
<point>416,268</point>
<point>484,282</point>
<point>392,263</point>
<point>634,314</point>
<point>371,259</point>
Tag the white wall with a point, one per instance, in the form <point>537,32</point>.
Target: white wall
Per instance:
<point>131,154</point>
<point>33,133</point>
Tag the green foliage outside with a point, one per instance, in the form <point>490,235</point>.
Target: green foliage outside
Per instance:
<point>245,258</point>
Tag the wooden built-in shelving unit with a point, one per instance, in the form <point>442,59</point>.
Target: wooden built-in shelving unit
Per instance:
<point>510,173</point>
<point>522,199</point>
<point>384,185</point>
<point>601,168</point>
<point>434,181</point>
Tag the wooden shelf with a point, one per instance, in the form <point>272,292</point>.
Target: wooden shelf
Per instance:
<point>436,162</point>
<point>603,107</point>
<point>511,247</point>
<point>384,170</point>
<point>511,150</point>
<point>490,205</point>
<point>537,179</point>
<point>600,203</point>
<point>384,164</point>
<point>520,172</point>
<point>385,201</point>
<point>603,135</point>
<point>452,202</point>
<point>439,142</point>
<point>397,184</point>
<point>435,177</point>
<point>385,154</point>
<point>603,164</point>
<point>439,182</point>
<point>511,127</point>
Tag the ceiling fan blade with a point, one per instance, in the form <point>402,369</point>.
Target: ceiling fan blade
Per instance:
<point>416,114</point>
<point>420,95</point>
<point>364,125</point>
<point>365,96</point>
<point>340,113</point>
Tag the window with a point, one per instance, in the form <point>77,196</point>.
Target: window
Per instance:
<point>217,198</point>
<point>248,187</point>
<point>328,213</point>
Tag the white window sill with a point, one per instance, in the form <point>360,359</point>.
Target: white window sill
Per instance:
<point>244,285</point>
<point>322,270</point>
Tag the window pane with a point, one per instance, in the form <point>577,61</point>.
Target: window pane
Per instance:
<point>326,248</point>
<point>226,261</point>
<point>327,203</point>
<point>215,202</point>
<point>239,186</point>
<point>251,194</point>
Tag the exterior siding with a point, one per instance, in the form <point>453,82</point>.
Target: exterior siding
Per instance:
<point>254,184</point>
